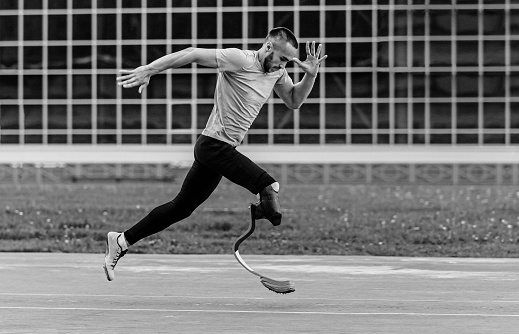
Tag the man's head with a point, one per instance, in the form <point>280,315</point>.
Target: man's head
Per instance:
<point>279,48</point>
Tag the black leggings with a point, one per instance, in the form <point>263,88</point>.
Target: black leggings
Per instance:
<point>213,159</point>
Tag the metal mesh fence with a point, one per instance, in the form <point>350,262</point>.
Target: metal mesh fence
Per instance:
<point>399,72</point>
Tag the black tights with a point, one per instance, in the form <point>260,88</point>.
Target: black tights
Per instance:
<point>213,159</point>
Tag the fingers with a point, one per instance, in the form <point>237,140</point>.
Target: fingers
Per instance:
<point>122,77</point>
<point>297,61</point>
<point>310,49</point>
<point>125,79</point>
<point>129,79</point>
<point>141,87</point>
<point>310,52</point>
<point>126,71</point>
<point>128,82</point>
<point>322,59</point>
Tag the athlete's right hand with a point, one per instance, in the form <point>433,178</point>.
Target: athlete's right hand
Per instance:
<point>133,78</point>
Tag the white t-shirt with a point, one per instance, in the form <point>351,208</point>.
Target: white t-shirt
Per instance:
<point>241,90</point>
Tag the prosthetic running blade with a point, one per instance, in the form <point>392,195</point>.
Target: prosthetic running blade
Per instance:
<point>282,287</point>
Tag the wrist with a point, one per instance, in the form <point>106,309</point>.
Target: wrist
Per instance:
<point>151,70</point>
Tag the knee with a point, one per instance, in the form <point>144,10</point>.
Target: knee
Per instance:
<point>268,206</point>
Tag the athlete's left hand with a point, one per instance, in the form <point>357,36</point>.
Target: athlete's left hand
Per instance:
<point>312,62</point>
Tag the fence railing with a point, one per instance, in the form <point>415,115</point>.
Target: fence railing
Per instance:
<point>329,165</point>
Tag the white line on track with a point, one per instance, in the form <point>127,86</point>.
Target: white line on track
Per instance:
<point>469,301</point>
<point>260,312</point>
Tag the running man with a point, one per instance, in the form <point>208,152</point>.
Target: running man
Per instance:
<point>245,82</point>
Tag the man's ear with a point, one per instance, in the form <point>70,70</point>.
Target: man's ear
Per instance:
<point>269,47</point>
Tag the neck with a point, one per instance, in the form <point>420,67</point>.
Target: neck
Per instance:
<point>261,57</point>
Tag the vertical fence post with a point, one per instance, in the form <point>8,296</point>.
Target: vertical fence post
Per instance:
<point>77,171</point>
<point>37,172</point>
<point>284,173</point>
<point>412,173</point>
<point>455,174</point>
<point>326,173</point>
<point>499,174</point>
<point>369,173</point>
<point>15,174</point>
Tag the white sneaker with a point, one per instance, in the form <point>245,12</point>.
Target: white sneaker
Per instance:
<point>115,249</point>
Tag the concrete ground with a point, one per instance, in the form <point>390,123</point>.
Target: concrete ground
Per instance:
<point>68,293</point>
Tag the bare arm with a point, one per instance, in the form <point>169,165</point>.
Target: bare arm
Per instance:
<point>295,95</point>
<point>142,74</point>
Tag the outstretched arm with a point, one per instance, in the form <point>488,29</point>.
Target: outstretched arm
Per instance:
<point>295,95</point>
<point>142,74</point>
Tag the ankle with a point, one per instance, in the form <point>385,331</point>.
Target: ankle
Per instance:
<point>122,242</point>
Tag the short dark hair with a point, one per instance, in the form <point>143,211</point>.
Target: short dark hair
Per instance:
<point>282,33</point>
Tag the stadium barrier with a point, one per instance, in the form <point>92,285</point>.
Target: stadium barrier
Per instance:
<point>300,164</point>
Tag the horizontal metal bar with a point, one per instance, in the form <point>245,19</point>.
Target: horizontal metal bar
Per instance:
<point>308,154</point>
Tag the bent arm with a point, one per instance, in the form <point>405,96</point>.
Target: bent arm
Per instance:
<point>295,95</point>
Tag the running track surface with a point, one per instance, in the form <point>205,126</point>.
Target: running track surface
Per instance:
<point>68,293</point>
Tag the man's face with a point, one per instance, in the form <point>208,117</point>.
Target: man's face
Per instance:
<point>278,57</point>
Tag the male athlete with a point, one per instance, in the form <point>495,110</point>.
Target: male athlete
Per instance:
<point>245,82</point>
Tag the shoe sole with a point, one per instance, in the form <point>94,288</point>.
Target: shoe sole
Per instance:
<point>104,264</point>
<point>106,273</point>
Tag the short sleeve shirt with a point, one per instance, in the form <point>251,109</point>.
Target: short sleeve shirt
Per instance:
<point>241,90</point>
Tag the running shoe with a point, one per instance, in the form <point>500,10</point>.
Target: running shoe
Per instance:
<point>115,249</point>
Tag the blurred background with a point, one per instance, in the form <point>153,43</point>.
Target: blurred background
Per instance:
<point>412,91</point>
